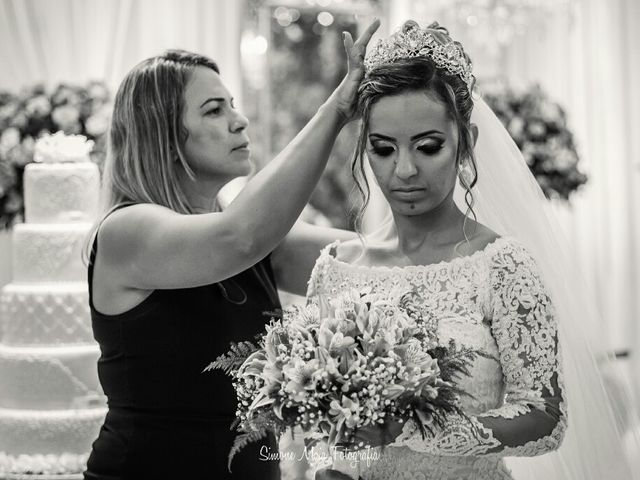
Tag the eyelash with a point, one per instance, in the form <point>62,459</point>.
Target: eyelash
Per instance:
<point>383,151</point>
<point>218,110</point>
<point>386,151</point>
<point>430,150</point>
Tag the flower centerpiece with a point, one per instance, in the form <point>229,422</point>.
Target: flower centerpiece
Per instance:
<point>61,147</point>
<point>335,366</point>
<point>34,112</point>
<point>538,126</point>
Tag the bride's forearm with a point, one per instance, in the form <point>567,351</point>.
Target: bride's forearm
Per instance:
<point>526,434</point>
<point>526,430</point>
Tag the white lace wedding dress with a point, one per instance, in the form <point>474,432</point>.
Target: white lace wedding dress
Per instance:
<point>493,301</point>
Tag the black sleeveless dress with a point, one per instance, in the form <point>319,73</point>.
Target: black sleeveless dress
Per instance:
<point>166,418</point>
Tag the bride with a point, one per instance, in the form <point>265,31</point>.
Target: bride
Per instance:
<point>486,270</point>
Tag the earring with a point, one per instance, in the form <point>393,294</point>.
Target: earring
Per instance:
<point>465,173</point>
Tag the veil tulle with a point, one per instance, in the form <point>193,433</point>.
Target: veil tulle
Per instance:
<point>509,201</point>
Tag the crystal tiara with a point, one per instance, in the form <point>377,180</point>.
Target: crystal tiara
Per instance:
<point>413,41</point>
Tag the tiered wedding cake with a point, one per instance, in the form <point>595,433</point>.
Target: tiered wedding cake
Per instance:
<point>51,404</point>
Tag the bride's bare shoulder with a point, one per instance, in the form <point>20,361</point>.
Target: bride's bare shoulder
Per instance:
<point>480,237</point>
<point>348,251</point>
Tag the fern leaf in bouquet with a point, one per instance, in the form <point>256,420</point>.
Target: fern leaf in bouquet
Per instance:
<point>232,360</point>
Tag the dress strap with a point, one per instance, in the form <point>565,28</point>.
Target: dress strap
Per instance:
<point>94,242</point>
<point>94,245</point>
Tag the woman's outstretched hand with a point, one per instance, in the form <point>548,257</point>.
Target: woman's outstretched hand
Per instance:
<point>345,96</point>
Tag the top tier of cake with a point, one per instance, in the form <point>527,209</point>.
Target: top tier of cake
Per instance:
<point>62,185</point>
<point>61,192</point>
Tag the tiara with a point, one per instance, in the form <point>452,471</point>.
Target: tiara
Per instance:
<point>413,41</point>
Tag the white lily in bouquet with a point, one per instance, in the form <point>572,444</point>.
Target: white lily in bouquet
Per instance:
<point>338,367</point>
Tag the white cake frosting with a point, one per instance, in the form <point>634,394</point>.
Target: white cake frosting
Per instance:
<point>49,252</point>
<point>45,314</point>
<point>49,377</point>
<point>61,192</point>
<point>54,432</point>
<point>50,467</point>
<point>51,403</point>
<point>62,148</point>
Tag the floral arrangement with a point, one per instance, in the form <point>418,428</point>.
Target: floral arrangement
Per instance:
<point>539,128</point>
<point>61,147</point>
<point>332,367</point>
<point>34,112</point>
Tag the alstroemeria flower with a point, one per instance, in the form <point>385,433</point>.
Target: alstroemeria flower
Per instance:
<point>367,323</point>
<point>276,335</point>
<point>377,345</point>
<point>273,378</point>
<point>254,364</point>
<point>307,315</point>
<point>332,338</point>
<point>346,412</point>
<point>302,377</point>
<point>339,346</point>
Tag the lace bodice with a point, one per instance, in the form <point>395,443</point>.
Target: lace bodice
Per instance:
<point>495,302</point>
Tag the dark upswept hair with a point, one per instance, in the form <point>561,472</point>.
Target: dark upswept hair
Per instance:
<point>415,74</point>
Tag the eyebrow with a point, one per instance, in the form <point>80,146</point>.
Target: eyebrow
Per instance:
<point>216,99</point>
<point>415,137</point>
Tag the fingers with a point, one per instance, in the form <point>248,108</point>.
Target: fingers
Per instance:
<point>363,40</point>
<point>348,42</point>
<point>356,50</point>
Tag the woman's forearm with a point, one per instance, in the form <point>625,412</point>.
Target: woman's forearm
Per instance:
<point>272,200</point>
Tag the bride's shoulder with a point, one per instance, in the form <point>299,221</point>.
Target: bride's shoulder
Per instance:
<point>502,250</point>
<point>480,240</point>
<point>348,251</point>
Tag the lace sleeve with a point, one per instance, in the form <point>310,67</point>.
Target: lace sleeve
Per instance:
<point>316,280</point>
<point>532,419</point>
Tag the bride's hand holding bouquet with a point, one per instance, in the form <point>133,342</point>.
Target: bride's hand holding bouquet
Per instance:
<point>347,372</point>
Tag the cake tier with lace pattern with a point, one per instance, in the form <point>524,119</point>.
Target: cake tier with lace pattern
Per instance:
<point>45,252</point>
<point>61,192</point>
<point>51,402</point>
<point>45,314</point>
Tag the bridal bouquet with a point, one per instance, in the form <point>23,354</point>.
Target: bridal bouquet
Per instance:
<point>334,366</point>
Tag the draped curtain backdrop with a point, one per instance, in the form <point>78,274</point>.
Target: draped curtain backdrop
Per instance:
<point>587,60</point>
<point>78,40</point>
<point>594,69</point>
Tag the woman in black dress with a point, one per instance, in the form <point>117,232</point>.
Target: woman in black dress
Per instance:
<point>173,280</point>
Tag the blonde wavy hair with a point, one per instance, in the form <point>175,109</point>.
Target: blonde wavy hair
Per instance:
<point>146,137</point>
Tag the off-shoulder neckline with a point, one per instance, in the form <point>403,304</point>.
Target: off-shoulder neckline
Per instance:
<point>489,248</point>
